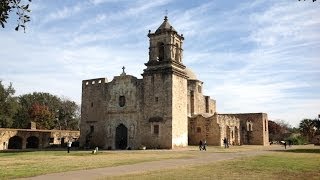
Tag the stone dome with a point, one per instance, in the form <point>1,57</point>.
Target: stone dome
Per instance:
<point>190,74</point>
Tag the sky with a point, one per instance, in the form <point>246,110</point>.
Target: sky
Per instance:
<point>253,56</point>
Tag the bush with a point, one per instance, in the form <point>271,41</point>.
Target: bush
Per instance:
<point>297,140</point>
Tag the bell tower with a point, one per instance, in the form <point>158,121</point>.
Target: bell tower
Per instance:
<point>165,89</point>
<point>165,45</point>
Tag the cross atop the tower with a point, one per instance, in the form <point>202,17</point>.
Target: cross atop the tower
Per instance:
<point>166,15</point>
<point>123,73</point>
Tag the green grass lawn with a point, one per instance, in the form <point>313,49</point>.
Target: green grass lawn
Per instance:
<point>26,164</point>
<point>291,164</point>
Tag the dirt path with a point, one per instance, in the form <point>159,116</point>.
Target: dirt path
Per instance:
<point>203,158</point>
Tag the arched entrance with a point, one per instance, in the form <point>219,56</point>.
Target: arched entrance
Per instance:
<point>228,135</point>
<point>32,142</point>
<point>15,142</point>
<point>121,137</point>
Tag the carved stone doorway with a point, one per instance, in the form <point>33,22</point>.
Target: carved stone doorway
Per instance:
<point>121,137</point>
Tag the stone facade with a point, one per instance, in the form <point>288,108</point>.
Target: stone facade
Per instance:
<point>161,110</point>
<point>239,129</point>
<point>35,138</point>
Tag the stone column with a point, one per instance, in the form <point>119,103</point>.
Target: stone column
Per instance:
<point>24,143</point>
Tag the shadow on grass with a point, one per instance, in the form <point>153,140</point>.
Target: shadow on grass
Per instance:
<point>300,150</point>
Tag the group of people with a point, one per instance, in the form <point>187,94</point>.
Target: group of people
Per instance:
<point>203,145</point>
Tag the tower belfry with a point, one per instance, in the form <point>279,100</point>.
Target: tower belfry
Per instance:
<point>165,49</point>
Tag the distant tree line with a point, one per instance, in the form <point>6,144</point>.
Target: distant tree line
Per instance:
<point>46,110</point>
<point>305,133</point>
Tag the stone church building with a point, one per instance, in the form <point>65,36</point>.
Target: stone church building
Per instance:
<point>164,109</point>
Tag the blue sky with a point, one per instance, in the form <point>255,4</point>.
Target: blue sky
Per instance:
<point>253,56</point>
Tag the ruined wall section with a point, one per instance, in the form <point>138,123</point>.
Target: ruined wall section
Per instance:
<point>214,128</point>
<point>46,138</point>
<point>229,126</point>
<point>204,127</point>
<point>254,128</point>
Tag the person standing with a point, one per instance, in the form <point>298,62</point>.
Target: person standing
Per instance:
<point>69,143</point>
<point>225,143</point>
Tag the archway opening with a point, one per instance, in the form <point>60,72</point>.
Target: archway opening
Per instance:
<point>121,137</point>
<point>32,142</point>
<point>161,51</point>
<point>15,142</point>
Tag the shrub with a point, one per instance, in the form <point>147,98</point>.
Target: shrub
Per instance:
<point>297,140</point>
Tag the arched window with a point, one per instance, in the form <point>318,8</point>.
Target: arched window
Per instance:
<point>160,51</point>
<point>177,54</point>
<point>122,101</point>
<point>265,125</point>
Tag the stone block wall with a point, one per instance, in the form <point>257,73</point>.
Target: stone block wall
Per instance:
<point>157,110</point>
<point>214,128</point>
<point>179,111</point>
<point>259,133</point>
<point>92,110</point>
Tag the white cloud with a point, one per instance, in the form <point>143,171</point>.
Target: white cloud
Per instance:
<point>254,56</point>
<point>65,12</point>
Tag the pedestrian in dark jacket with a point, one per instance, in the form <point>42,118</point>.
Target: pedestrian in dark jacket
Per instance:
<point>200,145</point>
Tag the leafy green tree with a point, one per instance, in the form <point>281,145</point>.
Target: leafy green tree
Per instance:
<point>8,105</point>
<point>18,7</point>
<point>68,115</point>
<point>49,111</point>
<point>307,128</point>
<point>316,123</point>
<point>27,103</point>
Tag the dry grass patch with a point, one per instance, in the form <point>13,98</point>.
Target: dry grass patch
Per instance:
<point>26,164</point>
<point>277,165</point>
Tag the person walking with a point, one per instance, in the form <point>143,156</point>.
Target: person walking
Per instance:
<point>200,145</point>
<point>204,145</point>
<point>69,143</point>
